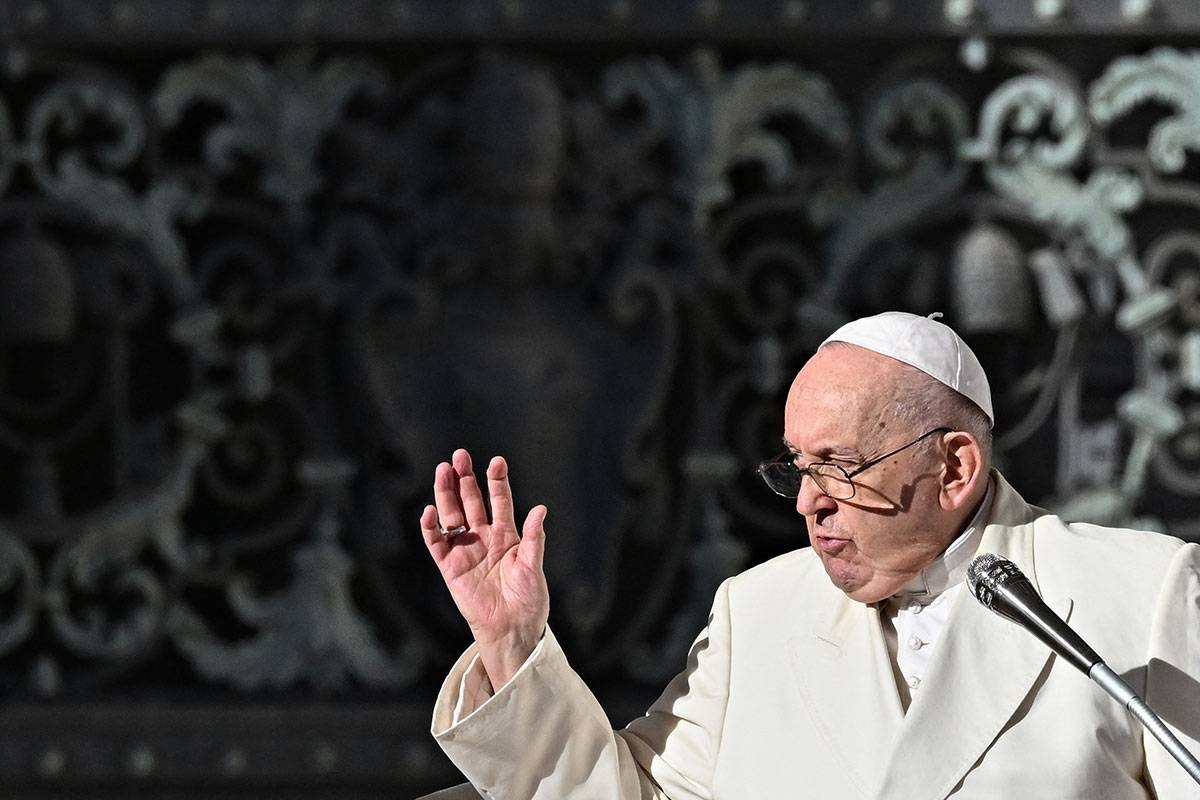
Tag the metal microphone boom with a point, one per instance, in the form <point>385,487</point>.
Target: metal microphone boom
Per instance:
<point>1000,586</point>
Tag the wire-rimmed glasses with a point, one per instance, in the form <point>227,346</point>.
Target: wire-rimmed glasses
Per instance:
<point>784,477</point>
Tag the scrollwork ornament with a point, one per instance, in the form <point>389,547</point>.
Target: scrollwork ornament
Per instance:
<point>21,583</point>
<point>757,94</point>
<point>763,267</point>
<point>1021,106</point>
<point>249,466</point>
<point>258,284</point>
<point>640,298</point>
<point>105,557</point>
<point>714,121</point>
<point>249,472</point>
<point>85,589</point>
<point>64,109</point>
<point>934,112</point>
<point>921,179</point>
<point>1167,76</point>
<point>310,631</point>
<point>1173,266</point>
<point>91,180</point>
<point>1094,207</point>
<point>276,116</point>
<point>1037,173</point>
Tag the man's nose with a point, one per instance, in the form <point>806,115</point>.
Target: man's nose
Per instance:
<point>811,499</point>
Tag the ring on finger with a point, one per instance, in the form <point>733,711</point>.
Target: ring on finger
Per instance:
<point>450,533</point>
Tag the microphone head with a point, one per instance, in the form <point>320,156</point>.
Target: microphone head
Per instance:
<point>989,572</point>
<point>1001,587</point>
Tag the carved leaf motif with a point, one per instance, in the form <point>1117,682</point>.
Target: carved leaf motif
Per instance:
<point>117,534</point>
<point>1058,197</point>
<point>279,116</point>
<point>714,122</point>
<point>310,631</point>
<point>756,95</point>
<point>1168,76</point>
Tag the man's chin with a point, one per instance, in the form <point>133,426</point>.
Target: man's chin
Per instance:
<point>869,588</point>
<point>843,577</point>
<point>868,594</point>
<point>858,590</point>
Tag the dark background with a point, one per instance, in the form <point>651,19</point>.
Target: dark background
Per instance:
<point>264,264</point>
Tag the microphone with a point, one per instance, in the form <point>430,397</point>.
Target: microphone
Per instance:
<point>1000,586</point>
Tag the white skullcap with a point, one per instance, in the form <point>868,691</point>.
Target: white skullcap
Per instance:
<point>928,345</point>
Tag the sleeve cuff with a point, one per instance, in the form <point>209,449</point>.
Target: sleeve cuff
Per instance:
<point>470,688</point>
<point>473,690</point>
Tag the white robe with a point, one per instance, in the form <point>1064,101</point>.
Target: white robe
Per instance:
<point>789,692</point>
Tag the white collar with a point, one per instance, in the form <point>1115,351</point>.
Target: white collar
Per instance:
<point>949,568</point>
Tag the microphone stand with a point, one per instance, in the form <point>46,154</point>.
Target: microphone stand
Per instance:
<point>1000,586</point>
<point>1111,682</point>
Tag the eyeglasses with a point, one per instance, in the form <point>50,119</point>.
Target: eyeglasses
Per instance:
<point>784,478</point>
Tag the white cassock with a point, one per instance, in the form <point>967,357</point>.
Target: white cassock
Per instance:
<point>791,692</point>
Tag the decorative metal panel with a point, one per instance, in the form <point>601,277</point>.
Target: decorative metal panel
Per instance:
<point>263,265</point>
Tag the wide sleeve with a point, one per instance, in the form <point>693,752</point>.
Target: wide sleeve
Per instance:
<point>544,736</point>
<point>1173,674</point>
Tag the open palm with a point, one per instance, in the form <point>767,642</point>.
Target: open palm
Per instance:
<point>494,575</point>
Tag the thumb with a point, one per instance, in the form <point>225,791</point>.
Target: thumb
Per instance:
<point>532,548</point>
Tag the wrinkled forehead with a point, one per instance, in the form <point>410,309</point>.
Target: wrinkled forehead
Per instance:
<point>840,394</point>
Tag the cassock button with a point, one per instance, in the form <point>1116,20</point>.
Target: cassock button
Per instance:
<point>915,643</point>
<point>914,682</point>
<point>915,607</point>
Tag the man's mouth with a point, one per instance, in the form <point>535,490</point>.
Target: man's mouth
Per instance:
<point>829,545</point>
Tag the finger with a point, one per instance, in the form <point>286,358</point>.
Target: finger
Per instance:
<point>437,544</point>
<point>446,496</point>
<point>468,491</point>
<point>500,494</point>
<point>532,550</point>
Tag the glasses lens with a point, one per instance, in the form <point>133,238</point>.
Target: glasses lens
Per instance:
<point>782,477</point>
<point>832,480</point>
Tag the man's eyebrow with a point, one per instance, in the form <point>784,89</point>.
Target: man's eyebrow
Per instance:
<point>840,453</point>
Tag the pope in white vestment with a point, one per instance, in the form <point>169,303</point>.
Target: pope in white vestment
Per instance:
<point>859,667</point>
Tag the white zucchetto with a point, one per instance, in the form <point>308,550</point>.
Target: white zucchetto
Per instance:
<point>922,342</point>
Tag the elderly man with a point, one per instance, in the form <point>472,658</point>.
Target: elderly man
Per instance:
<point>857,667</point>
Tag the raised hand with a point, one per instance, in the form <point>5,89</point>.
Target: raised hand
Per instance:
<point>494,575</point>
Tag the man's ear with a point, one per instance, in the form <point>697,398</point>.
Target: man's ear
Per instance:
<point>963,469</point>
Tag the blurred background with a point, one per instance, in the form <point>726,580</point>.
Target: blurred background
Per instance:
<point>263,264</point>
